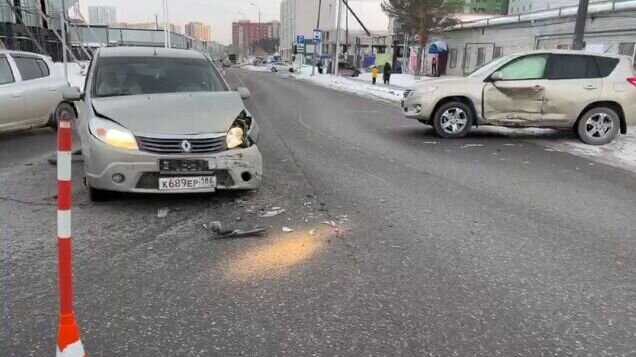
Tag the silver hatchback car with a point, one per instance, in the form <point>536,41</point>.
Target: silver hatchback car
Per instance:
<point>156,120</point>
<point>594,94</point>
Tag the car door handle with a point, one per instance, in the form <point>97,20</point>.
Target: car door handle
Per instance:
<point>590,86</point>
<point>16,95</point>
<point>538,88</point>
<point>53,89</point>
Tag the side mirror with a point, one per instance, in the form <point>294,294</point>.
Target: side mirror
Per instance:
<point>243,92</point>
<point>72,94</point>
<point>497,76</point>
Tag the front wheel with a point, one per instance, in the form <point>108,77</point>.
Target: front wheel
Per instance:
<point>63,110</point>
<point>453,120</point>
<point>598,126</point>
<point>96,195</point>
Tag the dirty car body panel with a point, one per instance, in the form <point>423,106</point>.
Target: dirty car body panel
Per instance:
<point>156,129</point>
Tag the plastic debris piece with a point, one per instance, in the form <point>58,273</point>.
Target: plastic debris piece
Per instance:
<point>163,212</point>
<point>240,233</point>
<point>274,212</point>
<point>287,230</point>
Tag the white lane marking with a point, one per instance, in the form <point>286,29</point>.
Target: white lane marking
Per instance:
<point>64,162</point>
<point>64,224</point>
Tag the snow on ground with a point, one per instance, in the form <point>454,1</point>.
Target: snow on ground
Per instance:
<point>397,79</point>
<point>619,153</point>
<point>253,68</point>
<point>76,73</point>
<point>349,85</point>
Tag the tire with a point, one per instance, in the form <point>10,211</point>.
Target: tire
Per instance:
<point>96,195</point>
<point>453,120</point>
<point>598,126</point>
<point>62,109</point>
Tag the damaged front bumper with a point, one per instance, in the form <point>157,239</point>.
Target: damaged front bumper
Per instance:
<point>237,169</point>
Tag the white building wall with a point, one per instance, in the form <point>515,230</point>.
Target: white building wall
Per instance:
<point>526,6</point>
<point>298,17</point>
<point>102,15</point>
<point>610,30</point>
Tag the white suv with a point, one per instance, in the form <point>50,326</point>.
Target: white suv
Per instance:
<point>594,94</point>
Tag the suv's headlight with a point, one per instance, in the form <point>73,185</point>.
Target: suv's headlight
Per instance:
<point>112,134</point>
<point>237,135</point>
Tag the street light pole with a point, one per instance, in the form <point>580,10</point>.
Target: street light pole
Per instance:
<point>579,28</point>
<point>313,55</point>
<point>165,23</point>
<point>64,47</point>
<point>337,55</point>
<point>260,32</point>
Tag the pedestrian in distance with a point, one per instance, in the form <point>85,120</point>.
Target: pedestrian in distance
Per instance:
<point>374,74</point>
<point>434,63</point>
<point>386,75</point>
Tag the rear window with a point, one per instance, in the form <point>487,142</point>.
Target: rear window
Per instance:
<point>6,76</point>
<point>572,67</point>
<point>31,68</point>
<point>120,76</point>
<point>606,65</point>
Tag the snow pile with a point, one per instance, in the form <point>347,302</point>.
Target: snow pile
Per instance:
<point>264,68</point>
<point>352,86</point>
<point>76,73</point>
<point>398,79</point>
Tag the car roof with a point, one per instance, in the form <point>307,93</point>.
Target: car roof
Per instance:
<point>568,52</point>
<point>148,51</point>
<point>24,53</point>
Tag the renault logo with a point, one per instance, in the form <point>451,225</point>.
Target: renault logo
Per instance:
<point>186,146</point>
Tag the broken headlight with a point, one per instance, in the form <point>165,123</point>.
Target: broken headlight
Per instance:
<point>237,135</point>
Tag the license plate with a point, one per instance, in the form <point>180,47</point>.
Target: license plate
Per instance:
<point>186,183</point>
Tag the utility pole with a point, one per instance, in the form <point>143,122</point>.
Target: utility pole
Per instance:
<point>337,55</point>
<point>579,27</point>
<point>313,55</point>
<point>156,21</point>
<point>64,54</point>
<point>165,23</point>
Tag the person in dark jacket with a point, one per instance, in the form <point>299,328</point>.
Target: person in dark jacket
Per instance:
<point>386,75</point>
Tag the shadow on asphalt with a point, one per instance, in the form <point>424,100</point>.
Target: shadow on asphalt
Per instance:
<point>172,200</point>
<point>492,133</point>
<point>25,133</point>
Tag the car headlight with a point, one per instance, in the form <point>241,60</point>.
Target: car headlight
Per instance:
<point>112,134</point>
<point>237,135</point>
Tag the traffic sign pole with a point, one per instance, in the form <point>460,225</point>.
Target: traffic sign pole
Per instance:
<point>68,335</point>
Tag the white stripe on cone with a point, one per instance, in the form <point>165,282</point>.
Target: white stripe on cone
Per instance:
<point>65,124</point>
<point>64,159</point>
<point>64,224</point>
<point>73,350</point>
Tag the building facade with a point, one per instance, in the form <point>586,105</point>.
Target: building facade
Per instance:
<point>609,29</point>
<point>245,34</point>
<point>147,26</point>
<point>198,30</point>
<point>298,17</point>
<point>487,6</point>
<point>102,15</point>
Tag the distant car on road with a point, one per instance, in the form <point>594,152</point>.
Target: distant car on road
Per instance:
<point>30,91</point>
<point>164,121</point>
<point>594,94</point>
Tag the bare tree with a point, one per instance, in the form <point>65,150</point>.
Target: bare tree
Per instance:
<point>421,17</point>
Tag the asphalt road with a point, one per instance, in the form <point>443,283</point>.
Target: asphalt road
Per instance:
<point>485,246</point>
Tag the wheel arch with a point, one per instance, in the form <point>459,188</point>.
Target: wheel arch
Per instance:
<point>609,104</point>
<point>458,98</point>
<point>52,115</point>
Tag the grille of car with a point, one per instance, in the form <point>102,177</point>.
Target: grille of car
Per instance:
<point>181,145</point>
<point>150,180</point>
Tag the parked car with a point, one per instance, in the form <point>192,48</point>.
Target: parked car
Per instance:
<point>156,120</point>
<point>594,94</point>
<point>30,91</point>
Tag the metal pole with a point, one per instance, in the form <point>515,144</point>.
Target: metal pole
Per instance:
<point>404,55</point>
<point>64,49</point>
<point>579,28</point>
<point>165,24</point>
<point>337,54</point>
<point>168,32</point>
<point>313,55</point>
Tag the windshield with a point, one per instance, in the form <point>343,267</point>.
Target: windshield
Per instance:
<point>489,67</point>
<point>120,76</point>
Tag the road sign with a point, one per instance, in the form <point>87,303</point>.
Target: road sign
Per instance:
<point>300,42</point>
<point>317,36</point>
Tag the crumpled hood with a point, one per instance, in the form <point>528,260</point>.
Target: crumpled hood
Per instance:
<point>173,113</point>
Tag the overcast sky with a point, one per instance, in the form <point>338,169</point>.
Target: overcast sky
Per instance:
<point>219,14</point>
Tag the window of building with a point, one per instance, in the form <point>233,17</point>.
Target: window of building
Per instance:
<point>497,52</point>
<point>452,63</point>
<point>481,56</point>
<point>572,67</point>
<point>528,67</point>
<point>6,76</point>
<point>31,68</point>
<point>626,48</point>
<point>563,47</point>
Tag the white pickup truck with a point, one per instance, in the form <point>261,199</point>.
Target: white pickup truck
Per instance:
<point>30,91</point>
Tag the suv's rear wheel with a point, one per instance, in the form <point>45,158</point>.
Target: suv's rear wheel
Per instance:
<point>453,120</point>
<point>598,126</point>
